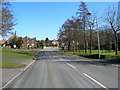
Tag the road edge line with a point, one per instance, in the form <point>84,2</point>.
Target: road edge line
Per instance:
<point>17,75</point>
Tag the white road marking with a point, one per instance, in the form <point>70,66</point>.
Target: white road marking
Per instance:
<point>17,75</point>
<point>103,86</point>
<point>70,65</point>
<point>96,81</point>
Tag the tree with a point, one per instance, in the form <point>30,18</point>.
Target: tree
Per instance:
<point>8,20</point>
<point>68,34</point>
<point>42,43</point>
<point>81,32</point>
<point>106,38</point>
<point>91,25</point>
<point>112,19</point>
<point>73,32</point>
<point>83,16</point>
<point>19,42</point>
<point>47,42</point>
<point>12,40</point>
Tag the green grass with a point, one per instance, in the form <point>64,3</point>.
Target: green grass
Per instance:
<point>105,54</point>
<point>7,64</point>
<point>11,53</point>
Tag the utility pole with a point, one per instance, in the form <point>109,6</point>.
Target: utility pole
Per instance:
<point>85,38</point>
<point>85,34</point>
<point>98,36</point>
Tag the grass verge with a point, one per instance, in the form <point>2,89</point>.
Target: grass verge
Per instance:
<point>107,55</point>
<point>18,54</point>
<point>7,64</point>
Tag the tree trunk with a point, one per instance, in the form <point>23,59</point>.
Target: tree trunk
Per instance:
<point>116,44</point>
<point>69,46</point>
<point>90,40</point>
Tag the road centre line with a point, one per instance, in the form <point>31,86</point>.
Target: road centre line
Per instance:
<point>103,86</point>
<point>70,65</point>
<point>95,81</point>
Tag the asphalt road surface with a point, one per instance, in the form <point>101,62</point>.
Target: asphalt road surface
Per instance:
<point>53,69</point>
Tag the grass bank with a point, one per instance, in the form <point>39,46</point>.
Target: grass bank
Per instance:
<point>18,54</point>
<point>105,54</point>
<point>7,64</point>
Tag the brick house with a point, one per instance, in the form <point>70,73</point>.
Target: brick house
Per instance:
<point>29,43</point>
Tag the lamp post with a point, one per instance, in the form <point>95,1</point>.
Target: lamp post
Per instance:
<point>90,25</point>
<point>98,37</point>
<point>85,43</point>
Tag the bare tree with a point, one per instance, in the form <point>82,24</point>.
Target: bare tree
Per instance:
<point>8,20</point>
<point>91,25</point>
<point>112,18</point>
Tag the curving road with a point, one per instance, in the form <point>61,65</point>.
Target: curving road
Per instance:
<point>53,69</point>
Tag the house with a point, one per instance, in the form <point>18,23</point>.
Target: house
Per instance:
<point>29,43</point>
<point>55,43</point>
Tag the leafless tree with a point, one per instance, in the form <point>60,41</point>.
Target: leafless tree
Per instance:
<point>112,18</point>
<point>91,25</point>
<point>8,20</point>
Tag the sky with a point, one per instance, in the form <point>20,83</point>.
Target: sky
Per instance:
<point>43,19</point>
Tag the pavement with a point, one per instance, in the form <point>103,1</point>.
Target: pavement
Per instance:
<point>53,69</point>
<point>8,74</point>
<point>17,60</point>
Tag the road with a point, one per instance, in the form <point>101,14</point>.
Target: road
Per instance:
<point>53,69</point>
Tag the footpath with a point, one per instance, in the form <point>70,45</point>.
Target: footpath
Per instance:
<point>8,74</point>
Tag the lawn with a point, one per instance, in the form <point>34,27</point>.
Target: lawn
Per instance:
<point>105,54</point>
<point>18,54</point>
<point>7,64</point>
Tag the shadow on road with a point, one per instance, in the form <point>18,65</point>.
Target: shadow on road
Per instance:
<point>95,62</point>
<point>54,55</point>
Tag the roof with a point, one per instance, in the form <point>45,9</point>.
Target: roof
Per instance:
<point>3,41</point>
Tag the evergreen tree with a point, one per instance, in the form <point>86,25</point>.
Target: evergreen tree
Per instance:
<point>83,16</point>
